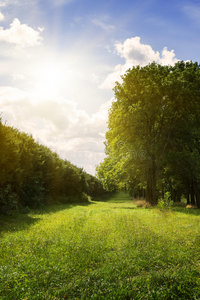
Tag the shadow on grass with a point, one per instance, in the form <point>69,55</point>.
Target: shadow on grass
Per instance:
<point>22,221</point>
<point>116,207</point>
<point>54,208</point>
<point>188,211</point>
<point>16,222</point>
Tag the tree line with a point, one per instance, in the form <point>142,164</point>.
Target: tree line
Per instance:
<point>32,175</point>
<point>153,137</point>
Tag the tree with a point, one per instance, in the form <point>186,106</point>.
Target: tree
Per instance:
<point>31,174</point>
<point>154,108</point>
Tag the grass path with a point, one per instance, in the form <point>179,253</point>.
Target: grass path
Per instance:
<point>101,250</point>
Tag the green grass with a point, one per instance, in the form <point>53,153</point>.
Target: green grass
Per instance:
<point>102,250</point>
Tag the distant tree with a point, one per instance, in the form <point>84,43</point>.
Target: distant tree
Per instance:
<point>106,174</point>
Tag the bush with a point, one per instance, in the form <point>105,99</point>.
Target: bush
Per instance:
<point>191,206</point>
<point>84,198</point>
<point>165,203</point>
<point>79,198</point>
<point>142,203</point>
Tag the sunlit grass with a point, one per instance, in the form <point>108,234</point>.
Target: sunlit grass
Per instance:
<point>103,250</point>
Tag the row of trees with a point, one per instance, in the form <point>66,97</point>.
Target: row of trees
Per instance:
<point>153,137</point>
<point>31,174</point>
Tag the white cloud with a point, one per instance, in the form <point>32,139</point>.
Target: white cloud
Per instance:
<point>17,77</point>
<point>102,24</point>
<point>2,3</point>
<point>111,78</point>
<point>15,3</point>
<point>100,118</point>
<point>1,16</point>
<point>167,57</point>
<point>20,34</point>
<point>60,125</point>
<point>135,53</point>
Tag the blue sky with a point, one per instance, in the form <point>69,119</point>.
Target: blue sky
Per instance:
<point>59,60</point>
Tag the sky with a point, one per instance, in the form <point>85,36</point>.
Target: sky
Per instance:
<point>60,59</point>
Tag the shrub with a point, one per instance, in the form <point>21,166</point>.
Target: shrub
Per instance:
<point>84,198</point>
<point>142,203</point>
<point>191,206</point>
<point>165,203</point>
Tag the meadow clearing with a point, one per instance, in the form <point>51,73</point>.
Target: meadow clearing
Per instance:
<point>100,250</point>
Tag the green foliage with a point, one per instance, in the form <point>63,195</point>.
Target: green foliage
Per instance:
<point>8,201</point>
<point>100,250</point>
<point>154,131</point>
<point>32,175</point>
<point>166,203</point>
<point>106,175</point>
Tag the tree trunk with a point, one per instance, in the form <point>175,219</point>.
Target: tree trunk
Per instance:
<point>188,199</point>
<point>192,194</point>
<point>198,199</point>
<point>151,192</point>
<point>197,194</point>
<point>177,195</point>
<point>173,195</point>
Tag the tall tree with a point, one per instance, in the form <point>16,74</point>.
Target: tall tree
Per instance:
<point>154,108</point>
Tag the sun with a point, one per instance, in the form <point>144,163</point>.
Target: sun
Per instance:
<point>48,78</point>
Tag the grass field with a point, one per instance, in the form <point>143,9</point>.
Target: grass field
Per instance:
<point>101,250</point>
